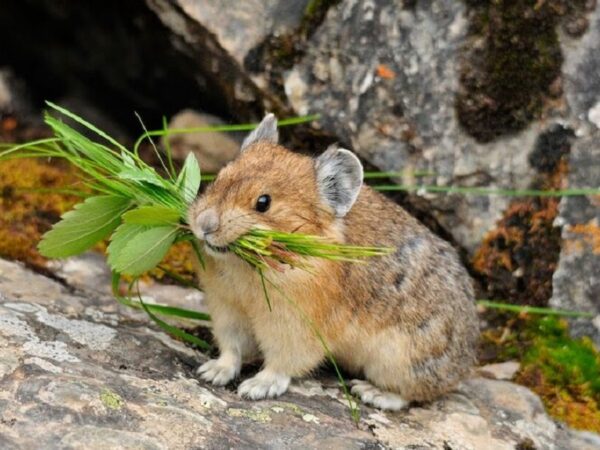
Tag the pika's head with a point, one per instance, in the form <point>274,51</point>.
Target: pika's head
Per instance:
<point>270,187</point>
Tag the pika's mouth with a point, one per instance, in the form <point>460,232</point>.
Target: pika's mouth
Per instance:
<point>216,248</point>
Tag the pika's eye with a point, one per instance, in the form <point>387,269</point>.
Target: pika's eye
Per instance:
<point>263,203</point>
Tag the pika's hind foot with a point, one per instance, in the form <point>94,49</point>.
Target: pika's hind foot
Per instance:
<point>265,384</point>
<point>374,396</point>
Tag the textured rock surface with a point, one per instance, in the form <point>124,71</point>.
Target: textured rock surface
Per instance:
<point>224,33</point>
<point>577,279</point>
<point>384,79</point>
<point>75,372</point>
<point>212,149</point>
<point>241,26</point>
<point>14,98</point>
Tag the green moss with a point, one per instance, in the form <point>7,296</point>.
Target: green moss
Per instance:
<point>563,371</point>
<point>111,400</point>
<point>314,13</point>
<point>564,361</point>
<point>505,81</point>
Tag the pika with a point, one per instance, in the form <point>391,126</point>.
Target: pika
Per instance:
<point>406,322</point>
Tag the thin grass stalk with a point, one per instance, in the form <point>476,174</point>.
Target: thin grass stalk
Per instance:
<point>222,128</point>
<point>352,404</point>
<point>168,151</point>
<point>533,309</point>
<point>490,191</point>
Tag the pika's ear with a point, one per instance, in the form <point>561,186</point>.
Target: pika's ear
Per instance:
<point>265,131</point>
<point>339,179</point>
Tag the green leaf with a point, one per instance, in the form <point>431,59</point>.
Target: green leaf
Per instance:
<point>152,215</point>
<point>146,174</point>
<point>144,250</point>
<point>188,181</point>
<point>122,235</point>
<point>128,161</point>
<point>88,223</point>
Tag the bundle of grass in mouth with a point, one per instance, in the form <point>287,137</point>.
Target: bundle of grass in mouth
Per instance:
<point>143,213</point>
<point>266,249</point>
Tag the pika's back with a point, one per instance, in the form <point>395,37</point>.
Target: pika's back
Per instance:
<point>422,278</point>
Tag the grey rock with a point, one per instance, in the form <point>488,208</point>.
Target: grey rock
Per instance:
<point>576,282</point>
<point>223,33</point>
<point>5,95</point>
<point>384,78</point>
<point>500,371</point>
<point>241,26</point>
<point>89,272</point>
<point>212,149</point>
<point>73,375</point>
<point>14,96</point>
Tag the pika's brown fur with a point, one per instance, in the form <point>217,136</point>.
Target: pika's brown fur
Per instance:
<point>407,321</point>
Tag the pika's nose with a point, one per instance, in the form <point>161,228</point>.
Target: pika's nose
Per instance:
<point>208,221</point>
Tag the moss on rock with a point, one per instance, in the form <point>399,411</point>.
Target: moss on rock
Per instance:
<point>512,64</point>
<point>26,212</point>
<point>564,372</point>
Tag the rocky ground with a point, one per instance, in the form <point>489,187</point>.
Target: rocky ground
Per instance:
<point>433,87</point>
<point>78,371</point>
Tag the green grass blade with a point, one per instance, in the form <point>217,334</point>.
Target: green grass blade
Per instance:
<point>168,151</point>
<point>352,404</point>
<point>533,309</point>
<point>182,281</point>
<point>174,330</point>
<point>221,128</point>
<point>162,309</point>
<point>64,191</point>
<point>416,173</point>
<point>178,312</point>
<point>264,286</point>
<point>489,191</point>
<point>86,124</point>
<point>156,152</point>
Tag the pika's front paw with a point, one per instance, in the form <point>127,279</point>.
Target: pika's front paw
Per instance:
<point>218,371</point>
<point>264,384</point>
<point>374,396</point>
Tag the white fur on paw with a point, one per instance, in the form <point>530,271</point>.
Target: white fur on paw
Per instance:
<point>374,396</point>
<point>218,371</point>
<point>264,384</point>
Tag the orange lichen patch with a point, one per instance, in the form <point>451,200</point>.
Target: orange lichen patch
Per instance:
<point>574,408</point>
<point>29,207</point>
<point>26,214</point>
<point>385,72</point>
<point>9,124</point>
<point>518,258</point>
<point>590,232</point>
